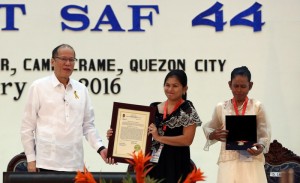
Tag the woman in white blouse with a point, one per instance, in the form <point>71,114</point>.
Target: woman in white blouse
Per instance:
<point>239,166</point>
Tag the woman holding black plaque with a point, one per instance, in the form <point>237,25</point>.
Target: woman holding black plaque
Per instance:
<point>239,166</point>
<point>173,131</point>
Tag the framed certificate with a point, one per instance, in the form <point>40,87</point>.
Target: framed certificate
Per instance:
<point>242,132</point>
<point>130,125</point>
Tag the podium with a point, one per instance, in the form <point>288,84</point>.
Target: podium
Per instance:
<point>61,177</point>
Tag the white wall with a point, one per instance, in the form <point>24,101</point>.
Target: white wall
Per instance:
<point>272,55</point>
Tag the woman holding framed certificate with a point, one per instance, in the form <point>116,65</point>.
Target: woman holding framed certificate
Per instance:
<point>173,131</point>
<point>239,162</point>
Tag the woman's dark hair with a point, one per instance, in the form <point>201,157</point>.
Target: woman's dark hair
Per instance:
<point>241,71</point>
<point>55,50</point>
<point>181,76</point>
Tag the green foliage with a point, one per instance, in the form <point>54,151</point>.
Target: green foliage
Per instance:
<point>127,179</point>
<point>104,181</point>
<point>152,180</point>
<point>148,179</point>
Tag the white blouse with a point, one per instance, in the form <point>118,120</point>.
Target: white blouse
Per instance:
<point>54,122</point>
<point>254,107</point>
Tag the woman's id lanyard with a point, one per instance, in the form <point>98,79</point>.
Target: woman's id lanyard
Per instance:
<point>166,111</point>
<point>156,153</point>
<point>236,108</point>
<point>244,155</point>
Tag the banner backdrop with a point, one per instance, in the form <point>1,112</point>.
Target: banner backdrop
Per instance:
<point>125,49</point>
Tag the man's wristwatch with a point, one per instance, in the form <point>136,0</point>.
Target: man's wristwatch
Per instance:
<point>100,149</point>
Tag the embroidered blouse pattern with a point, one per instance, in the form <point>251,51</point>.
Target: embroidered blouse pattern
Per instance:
<point>184,116</point>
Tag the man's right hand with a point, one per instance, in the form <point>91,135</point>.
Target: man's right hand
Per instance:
<point>31,166</point>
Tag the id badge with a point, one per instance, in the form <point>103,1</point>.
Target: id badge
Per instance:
<point>156,154</point>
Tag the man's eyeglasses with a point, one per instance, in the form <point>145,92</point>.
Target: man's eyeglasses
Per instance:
<point>64,59</point>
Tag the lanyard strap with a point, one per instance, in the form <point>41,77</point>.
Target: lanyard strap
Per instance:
<point>166,110</point>
<point>236,108</point>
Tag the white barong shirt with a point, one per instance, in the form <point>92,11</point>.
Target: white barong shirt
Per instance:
<point>54,122</point>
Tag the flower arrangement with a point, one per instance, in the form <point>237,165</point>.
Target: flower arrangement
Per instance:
<point>84,177</point>
<point>141,167</point>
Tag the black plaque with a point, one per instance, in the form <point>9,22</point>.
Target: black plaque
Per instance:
<point>242,132</point>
